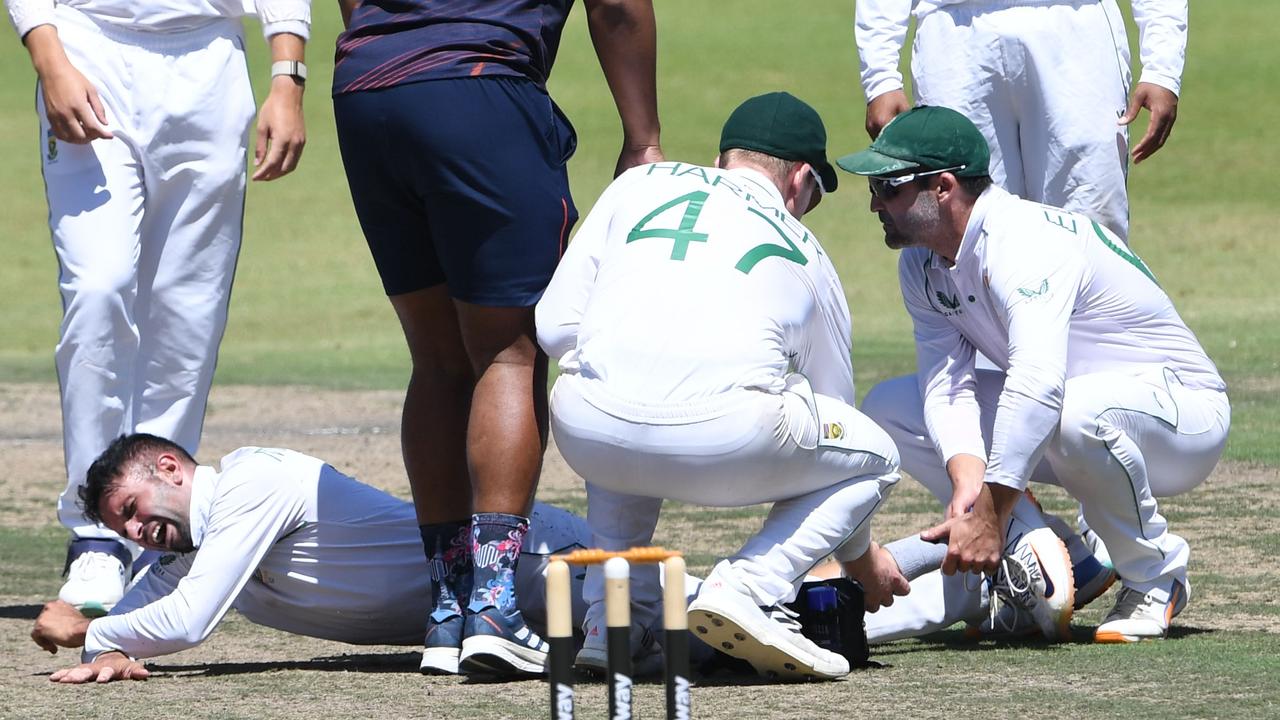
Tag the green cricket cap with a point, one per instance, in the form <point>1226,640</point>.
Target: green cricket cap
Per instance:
<point>784,126</point>
<point>924,138</point>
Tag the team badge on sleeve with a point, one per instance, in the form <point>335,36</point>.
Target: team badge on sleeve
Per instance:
<point>51,146</point>
<point>832,431</point>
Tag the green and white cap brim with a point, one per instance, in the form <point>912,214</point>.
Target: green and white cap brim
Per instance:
<point>873,163</point>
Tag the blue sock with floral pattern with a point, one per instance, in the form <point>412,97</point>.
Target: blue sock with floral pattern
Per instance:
<point>496,539</point>
<point>448,548</point>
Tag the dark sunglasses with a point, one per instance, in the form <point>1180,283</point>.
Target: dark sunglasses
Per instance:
<point>887,188</point>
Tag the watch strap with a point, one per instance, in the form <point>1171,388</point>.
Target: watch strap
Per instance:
<point>293,68</point>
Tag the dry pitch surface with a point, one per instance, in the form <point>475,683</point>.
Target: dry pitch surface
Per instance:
<point>248,671</point>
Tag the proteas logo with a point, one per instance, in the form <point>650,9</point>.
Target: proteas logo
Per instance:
<point>950,303</point>
<point>1026,292</point>
<point>51,146</point>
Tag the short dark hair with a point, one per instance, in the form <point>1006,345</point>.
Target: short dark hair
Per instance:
<point>974,186</point>
<point>121,457</point>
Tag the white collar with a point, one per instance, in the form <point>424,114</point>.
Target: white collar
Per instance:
<point>973,228</point>
<point>203,481</point>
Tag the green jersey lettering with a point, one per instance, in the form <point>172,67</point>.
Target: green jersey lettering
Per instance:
<point>681,236</point>
<point>695,170</point>
<point>768,250</point>
<point>1060,221</point>
<point>672,168</point>
<point>1128,256</point>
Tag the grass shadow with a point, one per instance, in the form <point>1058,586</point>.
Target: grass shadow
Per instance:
<point>364,663</point>
<point>20,612</point>
<point>957,640</point>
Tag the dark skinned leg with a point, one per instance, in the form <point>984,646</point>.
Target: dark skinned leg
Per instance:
<point>437,405</point>
<point>507,430</point>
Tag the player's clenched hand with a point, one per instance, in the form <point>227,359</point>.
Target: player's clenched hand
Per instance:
<point>106,667</point>
<point>76,114</point>
<point>878,574</point>
<point>281,130</point>
<point>59,624</point>
<point>884,108</point>
<point>633,155</point>
<point>1162,103</point>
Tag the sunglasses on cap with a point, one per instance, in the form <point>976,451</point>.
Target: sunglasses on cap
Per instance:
<point>887,188</point>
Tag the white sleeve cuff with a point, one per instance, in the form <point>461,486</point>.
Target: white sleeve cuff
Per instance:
<point>886,83</point>
<point>279,16</point>
<point>26,15</point>
<point>294,27</point>
<point>1172,84</point>
<point>1007,481</point>
<point>952,449</point>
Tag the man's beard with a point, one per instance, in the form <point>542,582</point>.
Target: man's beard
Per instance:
<point>921,221</point>
<point>183,543</point>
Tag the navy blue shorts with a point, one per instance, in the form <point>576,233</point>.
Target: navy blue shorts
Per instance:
<point>462,182</point>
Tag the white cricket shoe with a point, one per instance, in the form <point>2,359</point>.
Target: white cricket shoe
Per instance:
<point>593,658</point>
<point>96,576</point>
<point>1142,616</point>
<point>1034,587</point>
<point>726,617</point>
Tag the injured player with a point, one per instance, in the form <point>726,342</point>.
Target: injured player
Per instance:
<point>282,537</point>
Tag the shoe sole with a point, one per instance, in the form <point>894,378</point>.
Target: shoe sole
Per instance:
<point>1116,638</point>
<point>94,610</point>
<point>489,654</point>
<point>439,661</point>
<point>591,663</point>
<point>1060,626</point>
<point>723,632</point>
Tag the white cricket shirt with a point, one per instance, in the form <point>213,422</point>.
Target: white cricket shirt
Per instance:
<point>685,282</point>
<point>293,544</point>
<point>1045,295</point>
<point>880,29</point>
<point>292,16</point>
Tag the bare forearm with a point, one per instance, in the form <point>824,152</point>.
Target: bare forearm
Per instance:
<point>1003,498</point>
<point>624,33</point>
<point>45,49</point>
<point>287,46</point>
<point>965,469</point>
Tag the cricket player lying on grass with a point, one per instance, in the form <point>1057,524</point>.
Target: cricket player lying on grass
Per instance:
<point>284,538</point>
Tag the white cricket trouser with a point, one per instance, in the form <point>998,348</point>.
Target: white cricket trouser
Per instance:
<point>147,229</point>
<point>935,603</point>
<point>825,467</point>
<point>1122,441</point>
<point>1045,82</point>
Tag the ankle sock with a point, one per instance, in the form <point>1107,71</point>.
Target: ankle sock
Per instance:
<point>496,539</point>
<point>448,549</point>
